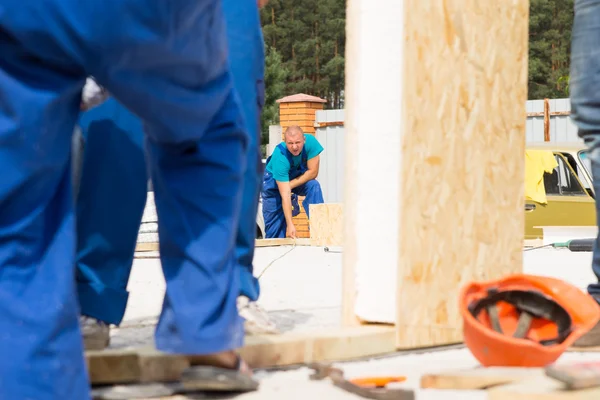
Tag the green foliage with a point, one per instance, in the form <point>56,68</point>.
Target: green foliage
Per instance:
<point>309,37</point>
<point>550,24</point>
<point>305,43</point>
<point>275,81</point>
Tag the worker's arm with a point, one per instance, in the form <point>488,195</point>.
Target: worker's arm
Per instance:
<point>310,174</point>
<point>286,202</point>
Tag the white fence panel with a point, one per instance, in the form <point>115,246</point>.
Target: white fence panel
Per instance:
<point>331,168</point>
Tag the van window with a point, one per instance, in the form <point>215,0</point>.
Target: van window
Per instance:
<point>562,181</point>
<point>587,163</point>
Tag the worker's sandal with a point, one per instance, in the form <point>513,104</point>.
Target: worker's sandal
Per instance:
<point>96,334</point>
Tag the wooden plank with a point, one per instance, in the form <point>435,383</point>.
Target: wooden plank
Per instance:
<point>282,242</point>
<point>261,351</point>
<point>326,224</point>
<point>462,165</point>
<point>541,388</point>
<point>150,246</point>
<point>478,378</point>
<point>134,366</point>
<point>334,344</point>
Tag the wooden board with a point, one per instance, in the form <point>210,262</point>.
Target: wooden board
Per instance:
<point>261,351</point>
<point>478,378</point>
<point>541,388</point>
<point>143,247</point>
<point>462,158</point>
<point>326,224</point>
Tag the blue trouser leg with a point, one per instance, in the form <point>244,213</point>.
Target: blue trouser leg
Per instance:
<point>585,98</point>
<point>247,58</point>
<point>109,209</point>
<point>275,225</point>
<point>312,192</point>
<point>167,62</point>
<point>40,343</point>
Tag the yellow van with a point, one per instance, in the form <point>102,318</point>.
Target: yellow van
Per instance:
<point>569,191</point>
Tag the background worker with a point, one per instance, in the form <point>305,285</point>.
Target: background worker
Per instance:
<point>584,86</point>
<point>169,65</point>
<point>108,222</point>
<point>291,170</point>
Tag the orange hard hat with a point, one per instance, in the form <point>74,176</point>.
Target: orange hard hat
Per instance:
<point>524,320</point>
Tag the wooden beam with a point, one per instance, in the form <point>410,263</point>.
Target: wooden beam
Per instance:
<point>261,351</point>
<point>143,247</point>
<point>546,120</point>
<point>462,166</point>
<point>373,89</point>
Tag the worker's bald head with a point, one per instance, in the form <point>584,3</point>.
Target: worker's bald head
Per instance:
<point>294,139</point>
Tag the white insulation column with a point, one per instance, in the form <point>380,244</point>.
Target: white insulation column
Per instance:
<point>373,96</point>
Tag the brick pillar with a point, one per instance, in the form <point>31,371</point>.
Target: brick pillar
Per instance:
<point>299,109</point>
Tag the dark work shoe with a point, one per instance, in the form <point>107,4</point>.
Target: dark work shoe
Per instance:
<point>96,334</point>
<point>592,338</point>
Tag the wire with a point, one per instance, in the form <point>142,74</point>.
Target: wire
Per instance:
<point>540,247</point>
<point>277,258</point>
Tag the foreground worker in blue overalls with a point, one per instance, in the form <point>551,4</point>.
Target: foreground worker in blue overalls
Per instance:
<point>291,171</point>
<point>108,222</point>
<point>168,63</point>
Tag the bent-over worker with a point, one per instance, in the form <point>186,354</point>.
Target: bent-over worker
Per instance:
<point>291,171</point>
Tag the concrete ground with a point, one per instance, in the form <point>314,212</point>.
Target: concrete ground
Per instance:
<point>304,270</point>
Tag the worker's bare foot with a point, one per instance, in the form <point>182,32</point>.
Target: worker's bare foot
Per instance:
<point>226,359</point>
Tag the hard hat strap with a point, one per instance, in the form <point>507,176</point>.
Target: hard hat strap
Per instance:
<point>530,304</point>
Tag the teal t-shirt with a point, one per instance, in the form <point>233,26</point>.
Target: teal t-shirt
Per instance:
<point>279,166</point>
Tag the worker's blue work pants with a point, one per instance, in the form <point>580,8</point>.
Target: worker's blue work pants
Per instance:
<point>275,224</point>
<point>246,55</point>
<point>108,222</point>
<point>584,85</point>
<point>109,208</point>
<point>167,62</point>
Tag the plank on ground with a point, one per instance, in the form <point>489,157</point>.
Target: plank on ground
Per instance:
<point>478,378</point>
<point>142,247</point>
<point>462,158</point>
<point>540,388</point>
<point>261,351</point>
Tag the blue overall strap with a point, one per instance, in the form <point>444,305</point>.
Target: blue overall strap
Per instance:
<point>304,158</point>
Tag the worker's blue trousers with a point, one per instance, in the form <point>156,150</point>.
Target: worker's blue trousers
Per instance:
<point>109,207</point>
<point>167,62</point>
<point>584,83</point>
<point>275,224</point>
<point>108,222</point>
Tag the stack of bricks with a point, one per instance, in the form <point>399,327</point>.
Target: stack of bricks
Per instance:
<point>299,109</point>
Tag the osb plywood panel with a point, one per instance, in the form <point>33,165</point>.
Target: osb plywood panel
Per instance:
<point>462,169</point>
<point>326,224</point>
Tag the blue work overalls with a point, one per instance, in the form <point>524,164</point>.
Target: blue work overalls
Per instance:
<point>168,63</point>
<point>108,221</point>
<point>275,225</point>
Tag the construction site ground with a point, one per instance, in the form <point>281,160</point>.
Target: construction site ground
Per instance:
<point>302,291</point>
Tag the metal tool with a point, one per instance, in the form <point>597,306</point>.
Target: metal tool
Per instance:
<point>368,388</point>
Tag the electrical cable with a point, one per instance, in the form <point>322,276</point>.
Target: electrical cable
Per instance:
<point>277,258</point>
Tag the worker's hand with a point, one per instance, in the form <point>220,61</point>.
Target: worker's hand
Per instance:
<point>291,231</point>
<point>262,3</point>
